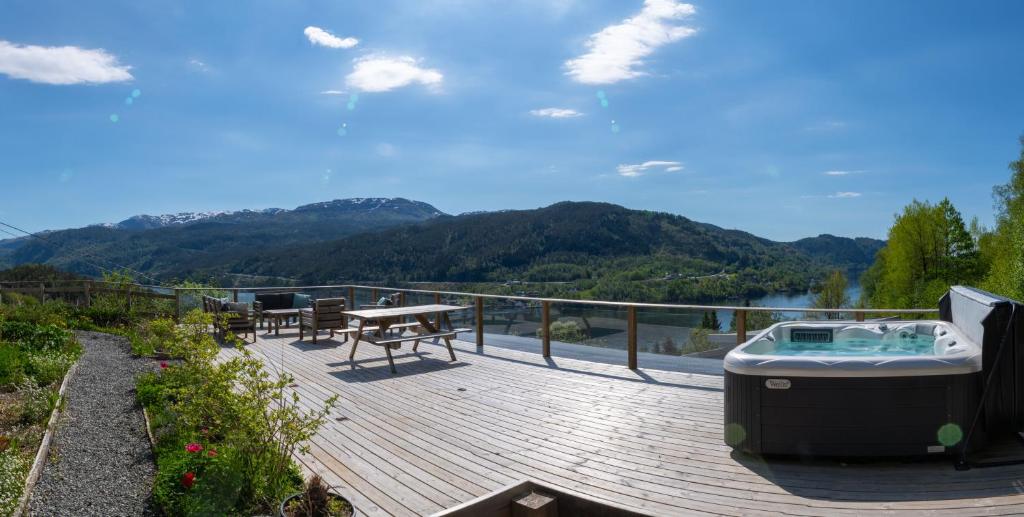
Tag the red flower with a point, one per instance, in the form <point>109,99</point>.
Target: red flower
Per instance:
<point>163,364</point>
<point>188,480</point>
<point>193,447</point>
<point>211,453</point>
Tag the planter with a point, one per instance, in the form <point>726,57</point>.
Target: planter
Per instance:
<point>297,495</point>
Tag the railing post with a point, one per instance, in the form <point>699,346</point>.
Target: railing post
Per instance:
<point>42,292</point>
<point>741,326</point>
<point>545,325</point>
<point>88,294</point>
<point>858,315</point>
<point>631,337</point>
<point>438,317</point>
<point>177,304</point>
<point>234,295</point>
<point>479,321</point>
<point>352,298</point>
<point>373,296</point>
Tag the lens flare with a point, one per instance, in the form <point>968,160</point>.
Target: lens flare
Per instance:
<point>129,101</point>
<point>734,434</point>
<point>950,434</point>
<point>114,117</point>
<point>343,130</point>
<point>615,127</point>
<point>136,92</point>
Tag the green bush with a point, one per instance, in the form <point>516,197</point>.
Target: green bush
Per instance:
<point>232,406</point>
<point>699,341</point>
<point>35,337</point>
<point>151,337</point>
<point>12,366</point>
<point>36,403</point>
<point>55,313</point>
<point>48,368</point>
<point>566,331</point>
<point>13,469</point>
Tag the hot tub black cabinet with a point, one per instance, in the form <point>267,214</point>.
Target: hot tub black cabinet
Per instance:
<point>849,416</point>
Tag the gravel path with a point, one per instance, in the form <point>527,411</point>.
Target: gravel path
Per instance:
<point>100,461</point>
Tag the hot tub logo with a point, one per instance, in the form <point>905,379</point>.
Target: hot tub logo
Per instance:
<point>777,384</point>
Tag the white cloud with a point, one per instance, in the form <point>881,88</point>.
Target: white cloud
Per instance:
<point>841,195</point>
<point>617,51</point>
<point>318,36</point>
<point>332,92</point>
<point>639,169</point>
<point>60,65</point>
<point>381,74</point>
<point>198,65</point>
<point>555,113</point>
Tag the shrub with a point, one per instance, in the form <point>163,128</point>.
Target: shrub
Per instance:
<point>233,406</point>
<point>567,331</point>
<point>151,337</point>
<point>699,340</point>
<point>48,368</point>
<point>12,366</point>
<point>35,337</point>
<point>36,403</point>
<point>13,469</point>
<point>55,313</point>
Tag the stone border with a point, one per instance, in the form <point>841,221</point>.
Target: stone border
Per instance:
<point>44,446</point>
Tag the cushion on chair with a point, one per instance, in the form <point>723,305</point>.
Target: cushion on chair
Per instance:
<point>237,308</point>
<point>300,301</point>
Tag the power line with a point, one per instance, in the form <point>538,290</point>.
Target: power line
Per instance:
<point>97,266</point>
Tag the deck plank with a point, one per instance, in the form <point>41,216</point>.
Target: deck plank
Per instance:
<point>440,433</point>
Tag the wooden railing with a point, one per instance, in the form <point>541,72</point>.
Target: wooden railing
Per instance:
<point>86,289</point>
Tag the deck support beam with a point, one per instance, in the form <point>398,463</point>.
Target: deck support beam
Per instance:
<point>631,347</point>
<point>741,326</point>
<point>545,322</point>
<point>479,321</point>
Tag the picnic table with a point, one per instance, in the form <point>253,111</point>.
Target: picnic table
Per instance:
<point>374,324</point>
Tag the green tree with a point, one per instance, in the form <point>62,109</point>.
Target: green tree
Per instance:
<point>929,249</point>
<point>833,295</point>
<point>1004,247</point>
<point>710,321</point>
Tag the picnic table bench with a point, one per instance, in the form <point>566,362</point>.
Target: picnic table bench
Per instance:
<point>390,318</point>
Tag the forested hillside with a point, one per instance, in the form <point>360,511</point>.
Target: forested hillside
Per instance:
<point>600,250</point>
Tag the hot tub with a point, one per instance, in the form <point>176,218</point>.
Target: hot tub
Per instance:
<point>852,389</point>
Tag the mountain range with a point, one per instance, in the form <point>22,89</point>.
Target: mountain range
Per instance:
<point>599,246</point>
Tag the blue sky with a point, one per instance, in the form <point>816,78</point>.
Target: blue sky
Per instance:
<point>785,119</point>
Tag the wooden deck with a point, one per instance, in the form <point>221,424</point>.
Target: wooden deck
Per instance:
<point>441,433</point>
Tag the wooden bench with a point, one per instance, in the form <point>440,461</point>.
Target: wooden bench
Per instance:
<point>374,324</point>
<point>374,328</point>
<point>415,337</point>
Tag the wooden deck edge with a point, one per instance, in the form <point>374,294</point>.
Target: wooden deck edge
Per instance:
<point>44,446</point>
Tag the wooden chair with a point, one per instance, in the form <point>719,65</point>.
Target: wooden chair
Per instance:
<point>395,300</point>
<point>325,315</point>
<point>235,318</point>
